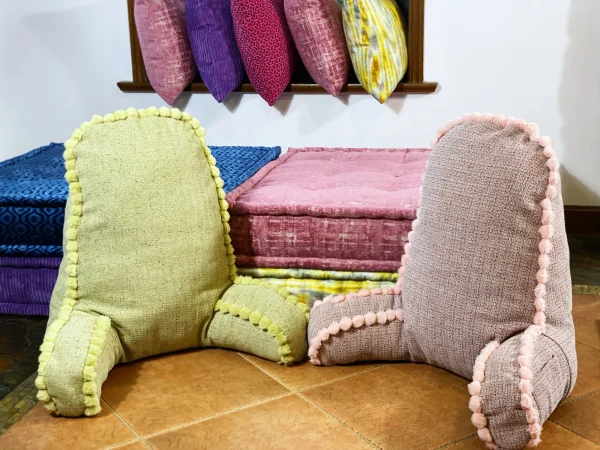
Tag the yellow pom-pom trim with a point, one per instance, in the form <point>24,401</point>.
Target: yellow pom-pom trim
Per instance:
<point>71,295</point>
<point>256,318</point>
<point>89,388</point>
<point>286,294</point>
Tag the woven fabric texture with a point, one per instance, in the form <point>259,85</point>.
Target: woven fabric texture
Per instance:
<point>165,46</point>
<point>210,29</point>
<point>26,285</point>
<point>314,274</point>
<point>310,290</point>
<point>332,243</point>
<point>265,44</point>
<point>148,267</point>
<point>32,198</point>
<point>486,289</point>
<point>328,208</point>
<point>33,193</point>
<point>316,26</point>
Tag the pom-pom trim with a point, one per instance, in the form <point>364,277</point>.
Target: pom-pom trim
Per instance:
<point>264,323</point>
<point>285,293</point>
<point>72,257</point>
<point>75,193</point>
<point>346,323</point>
<point>90,389</point>
<point>546,231</point>
<point>475,403</point>
<point>362,293</point>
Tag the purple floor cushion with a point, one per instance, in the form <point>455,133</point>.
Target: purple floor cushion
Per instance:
<point>26,285</point>
<point>210,29</point>
<point>328,208</point>
<point>484,289</point>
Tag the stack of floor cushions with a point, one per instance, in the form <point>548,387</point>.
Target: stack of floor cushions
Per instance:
<point>33,195</point>
<point>323,221</point>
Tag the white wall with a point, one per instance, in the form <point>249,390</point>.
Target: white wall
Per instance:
<point>536,59</point>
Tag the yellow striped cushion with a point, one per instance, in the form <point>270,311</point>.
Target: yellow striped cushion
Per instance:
<point>377,44</point>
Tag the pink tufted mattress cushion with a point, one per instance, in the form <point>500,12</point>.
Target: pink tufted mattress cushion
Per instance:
<point>336,182</point>
<point>328,208</point>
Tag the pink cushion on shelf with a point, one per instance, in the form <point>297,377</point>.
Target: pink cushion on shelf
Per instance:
<point>339,209</point>
<point>317,29</point>
<point>165,46</point>
<point>265,44</point>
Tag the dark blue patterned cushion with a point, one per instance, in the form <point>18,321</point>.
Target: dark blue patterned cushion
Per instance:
<point>33,194</point>
<point>31,250</point>
<point>237,164</point>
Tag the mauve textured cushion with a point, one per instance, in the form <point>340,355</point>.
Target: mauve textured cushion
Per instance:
<point>328,208</point>
<point>210,29</point>
<point>265,44</point>
<point>318,32</point>
<point>165,46</point>
<point>486,289</point>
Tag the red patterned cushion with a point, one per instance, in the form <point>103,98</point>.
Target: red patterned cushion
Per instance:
<point>266,45</point>
<point>165,46</point>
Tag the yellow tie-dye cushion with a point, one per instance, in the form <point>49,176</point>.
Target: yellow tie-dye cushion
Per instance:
<point>377,44</point>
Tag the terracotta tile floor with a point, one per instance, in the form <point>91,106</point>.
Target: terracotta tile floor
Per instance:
<point>218,399</point>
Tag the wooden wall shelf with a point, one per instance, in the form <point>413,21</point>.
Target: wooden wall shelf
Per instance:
<point>413,82</point>
<point>408,88</point>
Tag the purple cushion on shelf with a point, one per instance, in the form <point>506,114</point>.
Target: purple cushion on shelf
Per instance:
<point>210,29</point>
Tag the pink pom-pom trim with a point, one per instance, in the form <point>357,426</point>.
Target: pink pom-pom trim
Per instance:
<point>547,231</point>
<point>545,248</point>
<point>475,402</point>
<point>346,323</point>
<point>362,293</point>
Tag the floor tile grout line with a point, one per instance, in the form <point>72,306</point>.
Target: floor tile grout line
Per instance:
<point>579,397</point>
<point>305,388</point>
<point>316,405</point>
<point>214,416</point>
<point>343,377</point>
<point>338,420</point>
<point>573,431</point>
<point>266,373</point>
<point>127,424</point>
<point>587,345</point>
<point>456,441</point>
<point>122,444</point>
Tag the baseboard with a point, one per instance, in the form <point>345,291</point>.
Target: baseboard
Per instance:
<point>582,220</point>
